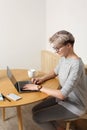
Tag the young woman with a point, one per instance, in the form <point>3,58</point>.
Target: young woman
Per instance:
<point>71,100</point>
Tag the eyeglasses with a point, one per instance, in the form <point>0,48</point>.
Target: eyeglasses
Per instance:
<point>57,49</point>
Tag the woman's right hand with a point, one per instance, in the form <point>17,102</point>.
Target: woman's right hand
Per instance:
<point>37,80</point>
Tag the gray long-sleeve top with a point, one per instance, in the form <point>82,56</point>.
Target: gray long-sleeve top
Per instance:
<point>72,78</point>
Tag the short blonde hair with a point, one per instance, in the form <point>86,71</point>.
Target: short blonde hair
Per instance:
<point>62,37</point>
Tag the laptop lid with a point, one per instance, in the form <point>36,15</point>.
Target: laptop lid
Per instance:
<point>11,76</point>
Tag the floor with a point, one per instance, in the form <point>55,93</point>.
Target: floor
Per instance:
<point>11,122</point>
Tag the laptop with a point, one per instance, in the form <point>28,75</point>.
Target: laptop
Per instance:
<point>18,84</point>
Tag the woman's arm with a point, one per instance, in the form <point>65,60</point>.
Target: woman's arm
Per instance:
<point>49,76</point>
<point>44,78</point>
<point>52,92</point>
<point>48,91</point>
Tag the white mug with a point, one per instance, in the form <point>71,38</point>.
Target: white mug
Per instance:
<point>31,73</point>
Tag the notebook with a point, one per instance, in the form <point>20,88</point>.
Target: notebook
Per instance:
<point>18,84</point>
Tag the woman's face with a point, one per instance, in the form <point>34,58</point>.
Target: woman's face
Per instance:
<point>62,50</point>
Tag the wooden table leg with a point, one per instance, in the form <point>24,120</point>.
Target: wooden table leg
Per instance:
<point>19,117</point>
<point>3,114</point>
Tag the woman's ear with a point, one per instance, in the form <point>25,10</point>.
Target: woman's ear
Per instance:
<point>69,45</point>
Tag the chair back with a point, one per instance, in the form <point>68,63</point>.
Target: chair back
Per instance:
<point>48,60</point>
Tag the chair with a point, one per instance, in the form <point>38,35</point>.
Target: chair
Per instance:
<point>48,61</point>
<point>68,122</point>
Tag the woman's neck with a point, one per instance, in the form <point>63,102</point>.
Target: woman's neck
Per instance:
<point>73,55</point>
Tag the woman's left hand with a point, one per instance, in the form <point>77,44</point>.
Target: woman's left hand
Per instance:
<point>30,87</point>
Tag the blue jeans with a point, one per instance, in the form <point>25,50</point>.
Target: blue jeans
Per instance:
<point>46,113</point>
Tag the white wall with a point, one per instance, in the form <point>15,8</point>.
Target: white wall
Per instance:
<point>26,25</point>
<point>22,33</point>
<point>69,15</point>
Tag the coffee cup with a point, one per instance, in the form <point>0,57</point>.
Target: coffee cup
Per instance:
<point>31,73</point>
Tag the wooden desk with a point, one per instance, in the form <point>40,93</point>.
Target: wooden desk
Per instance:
<point>7,87</point>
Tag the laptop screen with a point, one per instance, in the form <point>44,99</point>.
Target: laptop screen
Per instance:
<point>10,76</point>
